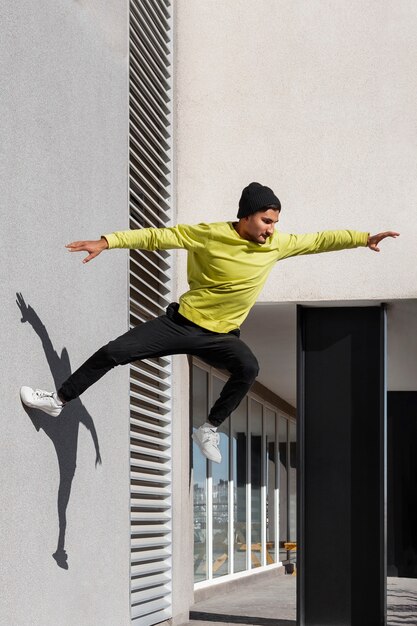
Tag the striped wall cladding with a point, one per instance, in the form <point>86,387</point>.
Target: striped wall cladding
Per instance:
<point>150,182</point>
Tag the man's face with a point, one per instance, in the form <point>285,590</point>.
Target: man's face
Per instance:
<point>260,226</point>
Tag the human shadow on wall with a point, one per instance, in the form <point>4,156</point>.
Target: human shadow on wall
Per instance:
<point>62,430</point>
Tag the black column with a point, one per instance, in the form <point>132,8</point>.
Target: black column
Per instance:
<point>402,484</point>
<point>341,562</point>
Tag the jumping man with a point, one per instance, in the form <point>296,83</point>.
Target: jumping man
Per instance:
<point>228,264</point>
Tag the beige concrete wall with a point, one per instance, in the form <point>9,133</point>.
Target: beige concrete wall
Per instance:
<point>64,162</point>
<point>402,345</point>
<point>316,99</point>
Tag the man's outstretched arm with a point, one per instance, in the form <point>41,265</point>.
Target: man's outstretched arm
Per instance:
<point>328,241</point>
<point>167,238</point>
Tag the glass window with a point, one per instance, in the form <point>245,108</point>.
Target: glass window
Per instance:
<point>220,499</point>
<point>270,421</point>
<point>199,413</point>
<point>256,482</point>
<point>283,482</point>
<point>259,463</point>
<point>239,441</point>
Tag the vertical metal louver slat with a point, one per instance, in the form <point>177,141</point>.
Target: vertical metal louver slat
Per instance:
<point>150,185</point>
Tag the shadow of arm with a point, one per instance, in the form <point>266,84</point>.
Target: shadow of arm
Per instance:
<point>86,419</point>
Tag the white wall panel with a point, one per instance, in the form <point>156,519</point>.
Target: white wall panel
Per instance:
<point>317,100</point>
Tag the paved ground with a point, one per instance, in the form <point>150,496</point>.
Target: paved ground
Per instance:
<point>402,601</point>
<point>261,605</point>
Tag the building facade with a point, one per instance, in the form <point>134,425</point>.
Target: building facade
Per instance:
<point>119,116</point>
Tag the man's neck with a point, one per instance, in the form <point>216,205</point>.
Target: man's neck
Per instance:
<point>238,228</point>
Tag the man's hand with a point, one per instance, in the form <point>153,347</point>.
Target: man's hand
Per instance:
<point>373,240</point>
<point>24,309</point>
<point>93,247</point>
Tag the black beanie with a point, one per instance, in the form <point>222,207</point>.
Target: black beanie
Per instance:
<point>255,197</point>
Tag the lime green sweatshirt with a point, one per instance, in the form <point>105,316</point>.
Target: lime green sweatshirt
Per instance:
<point>226,273</point>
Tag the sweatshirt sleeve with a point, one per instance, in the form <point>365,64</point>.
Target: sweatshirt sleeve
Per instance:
<point>324,241</point>
<point>180,236</point>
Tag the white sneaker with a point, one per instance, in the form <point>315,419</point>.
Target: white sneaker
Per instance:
<point>208,442</point>
<point>43,400</point>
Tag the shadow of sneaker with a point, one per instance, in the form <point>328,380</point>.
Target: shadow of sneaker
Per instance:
<point>61,558</point>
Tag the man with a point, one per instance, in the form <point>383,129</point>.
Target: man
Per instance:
<point>228,263</point>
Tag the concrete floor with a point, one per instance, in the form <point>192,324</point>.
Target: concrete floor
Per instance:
<point>272,603</point>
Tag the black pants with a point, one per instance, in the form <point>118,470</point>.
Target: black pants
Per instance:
<point>173,334</point>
